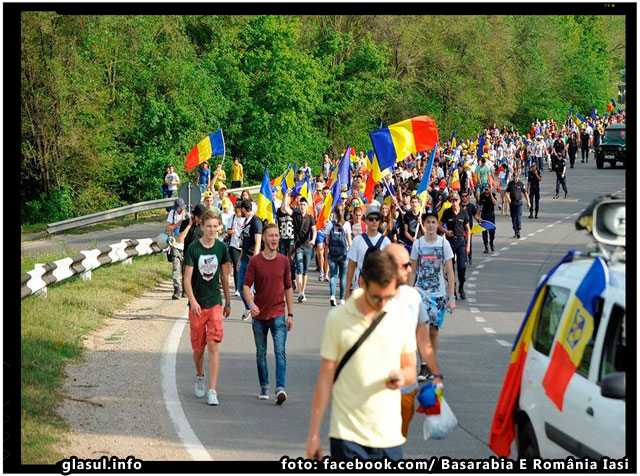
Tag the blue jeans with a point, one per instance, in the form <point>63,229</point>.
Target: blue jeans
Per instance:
<point>338,269</point>
<point>278,327</point>
<point>516,215</point>
<point>242,271</point>
<point>203,188</point>
<point>347,450</point>
<point>303,257</point>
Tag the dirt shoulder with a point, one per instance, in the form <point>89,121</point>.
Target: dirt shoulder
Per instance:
<point>114,403</point>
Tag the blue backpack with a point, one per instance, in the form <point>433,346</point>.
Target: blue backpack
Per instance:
<point>337,242</point>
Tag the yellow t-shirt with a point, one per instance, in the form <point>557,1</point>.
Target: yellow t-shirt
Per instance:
<point>363,410</point>
<point>236,172</point>
<point>221,179</point>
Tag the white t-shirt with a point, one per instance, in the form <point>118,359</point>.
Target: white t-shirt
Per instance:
<point>431,259</point>
<point>172,178</point>
<point>358,249</point>
<point>416,313</point>
<point>173,218</point>
<point>237,225</point>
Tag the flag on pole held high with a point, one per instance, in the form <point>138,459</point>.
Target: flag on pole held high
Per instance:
<point>266,207</point>
<point>424,182</point>
<point>395,142</point>
<point>211,145</point>
<point>329,203</point>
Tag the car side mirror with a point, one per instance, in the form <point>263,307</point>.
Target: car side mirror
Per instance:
<point>614,386</point>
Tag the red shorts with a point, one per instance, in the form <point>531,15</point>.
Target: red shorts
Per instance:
<point>206,327</point>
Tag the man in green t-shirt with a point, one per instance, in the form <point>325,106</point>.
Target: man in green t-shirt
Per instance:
<point>203,261</point>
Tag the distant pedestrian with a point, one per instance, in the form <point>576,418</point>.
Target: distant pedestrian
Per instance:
<point>516,191</point>
<point>572,148</point>
<point>237,173</point>
<point>204,175</point>
<point>235,242</point>
<point>486,212</point>
<point>472,211</point>
<point>533,184</point>
<point>561,172</point>
<point>305,237</point>
<point>205,259</point>
<point>584,144</point>
<point>251,242</point>
<point>175,254</point>
<point>284,217</point>
<point>366,421</point>
<point>455,225</point>
<point>172,180</point>
<point>270,274</point>
<point>165,185</point>
<point>190,231</point>
<point>338,243</point>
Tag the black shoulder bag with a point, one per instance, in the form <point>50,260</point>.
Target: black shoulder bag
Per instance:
<point>358,343</point>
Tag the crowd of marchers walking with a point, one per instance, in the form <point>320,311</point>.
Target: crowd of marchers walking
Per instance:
<point>395,262</point>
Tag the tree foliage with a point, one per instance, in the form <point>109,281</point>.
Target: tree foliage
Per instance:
<point>109,101</point>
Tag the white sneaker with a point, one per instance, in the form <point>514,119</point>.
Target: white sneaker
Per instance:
<point>326,278</point>
<point>246,314</point>
<point>321,276</point>
<point>237,293</point>
<point>199,386</point>
<point>212,397</point>
<point>341,301</point>
<point>281,396</point>
<point>332,300</point>
<point>301,298</point>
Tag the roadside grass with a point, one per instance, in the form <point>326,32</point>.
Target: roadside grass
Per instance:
<point>52,332</point>
<point>143,217</point>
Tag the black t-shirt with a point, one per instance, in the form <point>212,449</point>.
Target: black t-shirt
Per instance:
<point>584,138</point>
<point>558,145</point>
<point>194,233</point>
<point>411,221</point>
<point>560,165</point>
<point>486,205</point>
<point>302,227</point>
<point>463,180</point>
<point>252,228</point>
<point>456,222</point>
<point>285,225</point>
<point>472,211</point>
<point>534,183</point>
<point>515,190</point>
<point>573,144</point>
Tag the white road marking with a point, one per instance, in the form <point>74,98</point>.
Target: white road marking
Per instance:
<point>495,254</point>
<point>471,285</point>
<point>514,243</point>
<point>503,343</point>
<point>474,309</point>
<point>523,238</point>
<point>476,272</point>
<point>480,266</point>
<point>471,300</point>
<point>559,221</point>
<point>486,260</point>
<point>550,226</point>
<point>531,234</point>
<point>541,229</point>
<point>504,249</point>
<point>480,319</point>
<point>489,330</point>
<point>171,398</point>
<point>472,278</point>
<point>470,291</point>
<point>566,218</point>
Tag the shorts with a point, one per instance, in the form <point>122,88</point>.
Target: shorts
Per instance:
<point>436,309</point>
<point>479,187</point>
<point>320,238</point>
<point>206,327</point>
<point>408,408</point>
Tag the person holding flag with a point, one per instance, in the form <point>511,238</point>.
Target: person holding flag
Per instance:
<point>304,226</point>
<point>486,212</point>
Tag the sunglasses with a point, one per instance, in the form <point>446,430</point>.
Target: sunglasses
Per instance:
<point>376,218</point>
<point>377,300</point>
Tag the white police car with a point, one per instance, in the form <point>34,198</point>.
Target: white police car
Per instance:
<point>592,421</point>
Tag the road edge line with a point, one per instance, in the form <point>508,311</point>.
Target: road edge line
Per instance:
<point>187,436</point>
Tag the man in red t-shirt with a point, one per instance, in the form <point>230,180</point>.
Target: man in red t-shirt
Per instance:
<point>270,274</point>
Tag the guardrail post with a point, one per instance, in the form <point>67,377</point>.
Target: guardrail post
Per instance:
<point>128,261</point>
<point>136,215</point>
<point>86,276</point>
<point>41,292</point>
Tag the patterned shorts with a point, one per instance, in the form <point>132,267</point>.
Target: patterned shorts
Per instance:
<point>436,309</point>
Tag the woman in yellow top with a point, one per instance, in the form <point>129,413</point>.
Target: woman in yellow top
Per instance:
<point>237,174</point>
<point>219,177</point>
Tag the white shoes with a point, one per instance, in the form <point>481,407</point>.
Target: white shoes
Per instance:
<point>332,301</point>
<point>301,297</point>
<point>199,386</point>
<point>212,397</point>
<point>281,396</point>
<point>321,276</point>
<point>246,314</point>
<point>341,301</point>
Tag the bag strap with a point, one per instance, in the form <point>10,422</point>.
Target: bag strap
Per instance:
<point>366,239</point>
<point>358,343</point>
<point>380,240</point>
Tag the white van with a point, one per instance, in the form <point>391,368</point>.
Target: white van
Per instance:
<point>592,422</point>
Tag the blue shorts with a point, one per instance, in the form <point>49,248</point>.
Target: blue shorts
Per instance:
<point>320,237</point>
<point>436,308</point>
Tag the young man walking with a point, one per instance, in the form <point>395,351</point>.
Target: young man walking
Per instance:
<point>204,259</point>
<point>269,273</point>
<point>251,241</point>
<point>515,192</point>
<point>431,257</point>
<point>458,233</point>
<point>486,211</point>
<point>305,237</point>
<point>533,184</point>
<point>561,172</point>
<point>361,244</point>
<point>365,417</point>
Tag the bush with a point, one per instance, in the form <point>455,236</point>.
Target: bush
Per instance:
<point>58,206</point>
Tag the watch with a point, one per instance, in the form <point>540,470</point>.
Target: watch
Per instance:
<point>452,298</point>
<point>289,315</point>
<point>440,376</point>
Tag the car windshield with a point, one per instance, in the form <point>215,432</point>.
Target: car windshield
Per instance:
<point>614,134</point>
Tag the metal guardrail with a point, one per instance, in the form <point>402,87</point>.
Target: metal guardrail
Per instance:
<point>123,211</point>
<point>37,280</point>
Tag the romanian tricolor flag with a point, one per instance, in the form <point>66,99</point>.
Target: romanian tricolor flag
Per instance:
<point>503,425</point>
<point>593,113</point>
<point>352,157</point>
<point>394,143</point>
<point>389,191</point>
<point>343,171</point>
<point>575,332</point>
<point>266,207</point>
<point>426,177</point>
<point>611,106</point>
<point>484,226</point>
<point>445,205</point>
<point>455,180</point>
<point>481,141</point>
<point>453,139</point>
<point>290,178</point>
<point>211,145</point>
<point>329,203</point>
<point>579,119</point>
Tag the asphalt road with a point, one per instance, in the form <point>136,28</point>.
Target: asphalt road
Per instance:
<point>474,348</point>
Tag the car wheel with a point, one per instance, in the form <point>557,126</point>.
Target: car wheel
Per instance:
<point>527,442</point>
<point>599,163</point>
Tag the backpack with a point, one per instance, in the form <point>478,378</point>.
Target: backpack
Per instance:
<point>337,242</point>
<point>371,247</point>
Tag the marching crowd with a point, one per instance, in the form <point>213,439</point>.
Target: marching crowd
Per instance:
<point>386,249</point>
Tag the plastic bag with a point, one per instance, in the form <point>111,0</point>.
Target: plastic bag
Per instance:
<point>439,426</point>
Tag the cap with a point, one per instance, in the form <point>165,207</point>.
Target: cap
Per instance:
<point>226,202</point>
<point>179,204</point>
<point>373,210</point>
<point>222,186</point>
<point>198,210</point>
<point>453,195</point>
<point>443,184</point>
<point>375,203</point>
<point>487,186</point>
<point>208,194</point>
<point>429,211</point>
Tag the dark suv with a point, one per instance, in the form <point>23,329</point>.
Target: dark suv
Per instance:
<point>613,147</point>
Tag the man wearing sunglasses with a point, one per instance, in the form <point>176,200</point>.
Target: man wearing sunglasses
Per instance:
<point>458,233</point>
<point>365,421</point>
<point>360,247</point>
